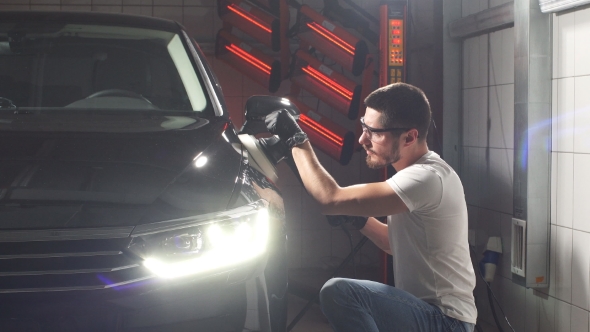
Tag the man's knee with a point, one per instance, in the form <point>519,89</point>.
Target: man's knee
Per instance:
<point>328,294</point>
<point>334,291</point>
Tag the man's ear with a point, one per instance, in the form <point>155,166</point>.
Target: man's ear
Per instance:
<point>412,136</point>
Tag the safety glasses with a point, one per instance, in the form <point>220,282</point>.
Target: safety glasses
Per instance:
<point>374,134</point>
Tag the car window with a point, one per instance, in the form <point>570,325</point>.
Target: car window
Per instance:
<point>77,66</point>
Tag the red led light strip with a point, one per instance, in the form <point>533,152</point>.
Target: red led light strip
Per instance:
<point>321,129</point>
<point>243,14</point>
<point>249,58</point>
<point>330,83</point>
<point>332,37</point>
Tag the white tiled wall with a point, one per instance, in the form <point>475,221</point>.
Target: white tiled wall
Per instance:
<point>572,149</point>
<point>312,242</point>
<point>487,169</point>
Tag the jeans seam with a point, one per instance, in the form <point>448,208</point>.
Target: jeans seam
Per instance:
<point>452,325</point>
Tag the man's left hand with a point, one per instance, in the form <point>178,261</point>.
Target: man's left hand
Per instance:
<point>283,124</point>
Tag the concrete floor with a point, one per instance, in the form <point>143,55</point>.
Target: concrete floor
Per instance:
<point>312,321</point>
<point>305,283</point>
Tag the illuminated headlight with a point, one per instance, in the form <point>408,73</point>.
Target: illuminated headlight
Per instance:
<point>205,247</point>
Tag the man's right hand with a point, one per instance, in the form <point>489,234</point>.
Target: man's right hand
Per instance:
<point>283,124</point>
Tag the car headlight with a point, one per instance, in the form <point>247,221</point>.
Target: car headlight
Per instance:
<point>206,245</point>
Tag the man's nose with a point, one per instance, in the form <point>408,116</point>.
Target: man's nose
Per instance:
<point>364,138</point>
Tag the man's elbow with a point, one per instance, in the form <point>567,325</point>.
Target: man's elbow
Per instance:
<point>329,208</point>
<point>332,203</point>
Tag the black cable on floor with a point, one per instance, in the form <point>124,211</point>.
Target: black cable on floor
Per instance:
<point>350,256</point>
<point>351,247</point>
<point>492,306</point>
<point>490,292</point>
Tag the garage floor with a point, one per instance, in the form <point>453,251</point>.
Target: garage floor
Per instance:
<point>313,321</point>
<point>304,284</point>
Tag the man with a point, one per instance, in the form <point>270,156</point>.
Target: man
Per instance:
<point>426,230</point>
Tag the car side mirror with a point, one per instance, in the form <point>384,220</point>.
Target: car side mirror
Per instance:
<point>258,107</point>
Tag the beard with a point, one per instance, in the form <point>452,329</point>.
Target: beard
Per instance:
<point>376,162</point>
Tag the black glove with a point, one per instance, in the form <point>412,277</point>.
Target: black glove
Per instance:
<point>356,222</point>
<point>283,124</point>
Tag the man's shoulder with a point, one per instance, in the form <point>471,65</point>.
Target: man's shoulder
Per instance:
<point>433,162</point>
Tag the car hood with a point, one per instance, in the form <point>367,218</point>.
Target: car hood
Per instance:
<point>111,170</point>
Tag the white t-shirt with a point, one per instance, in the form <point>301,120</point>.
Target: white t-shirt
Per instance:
<point>430,243</point>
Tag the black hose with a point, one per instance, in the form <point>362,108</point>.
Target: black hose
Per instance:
<point>490,296</point>
<point>342,265</point>
<point>493,307</point>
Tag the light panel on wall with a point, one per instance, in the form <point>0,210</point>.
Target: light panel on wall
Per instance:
<point>327,85</point>
<point>249,61</point>
<point>329,137</point>
<point>332,40</point>
<point>252,20</point>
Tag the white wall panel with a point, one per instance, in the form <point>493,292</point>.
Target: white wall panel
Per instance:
<point>565,189</point>
<point>514,304</point>
<point>553,262</point>
<point>563,316</point>
<point>45,2</point>
<point>581,44</point>
<point>470,62</point>
<point>547,314</point>
<point>501,65</point>
<point>482,76</point>
<point>138,10</point>
<point>480,112</point>
<point>531,311</point>
<point>198,22</point>
<point>45,7</point>
<point>581,199</point>
<point>582,115</point>
<point>140,2</point>
<point>565,51</point>
<point>579,320</point>
<point>565,120</point>
<point>563,264</point>
<point>476,114</point>
<point>107,2</point>
<point>581,269</point>
<point>108,8</point>
<point>553,186</point>
<point>500,179</point>
<point>501,117</point>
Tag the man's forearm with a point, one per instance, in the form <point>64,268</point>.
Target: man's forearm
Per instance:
<point>367,199</point>
<point>377,232</point>
<point>316,179</point>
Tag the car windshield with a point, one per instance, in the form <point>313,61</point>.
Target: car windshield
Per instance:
<point>47,65</point>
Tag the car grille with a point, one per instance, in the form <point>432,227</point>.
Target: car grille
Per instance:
<point>61,260</point>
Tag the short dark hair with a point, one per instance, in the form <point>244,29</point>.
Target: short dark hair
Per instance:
<point>401,105</point>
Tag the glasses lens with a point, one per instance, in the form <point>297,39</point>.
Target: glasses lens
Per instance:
<point>366,130</point>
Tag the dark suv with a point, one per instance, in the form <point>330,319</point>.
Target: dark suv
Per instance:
<point>128,201</point>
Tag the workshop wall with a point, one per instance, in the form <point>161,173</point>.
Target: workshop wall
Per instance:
<point>487,170</point>
<point>568,302</point>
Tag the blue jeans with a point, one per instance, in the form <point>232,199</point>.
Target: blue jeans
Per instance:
<point>362,305</point>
